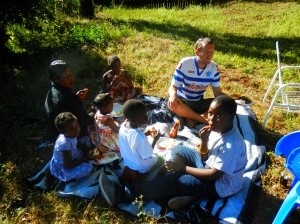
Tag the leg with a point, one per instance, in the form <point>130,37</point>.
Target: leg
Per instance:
<point>188,156</point>
<point>183,110</point>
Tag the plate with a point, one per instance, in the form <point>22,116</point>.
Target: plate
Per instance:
<point>108,157</point>
<point>167,143</point>
<point>117,110</point>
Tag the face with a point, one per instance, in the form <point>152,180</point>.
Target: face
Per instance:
<point>116,67</point>
<point>72,130</point>
<point>108,108</point>
<point>218,119</point>
<point>206,53</point>
<point>67,80</point>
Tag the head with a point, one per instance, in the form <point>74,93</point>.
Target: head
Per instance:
<point>204,49</point>
<point>60,73</point>
<point>135,111</point>
<point>67,124</point>
<point>114,63</point>
<point>221,113</point>
<point>104,102</point>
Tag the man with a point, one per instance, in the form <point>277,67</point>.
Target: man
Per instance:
<point>191,78</point>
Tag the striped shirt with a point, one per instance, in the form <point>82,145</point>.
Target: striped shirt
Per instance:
<point>191,81</point>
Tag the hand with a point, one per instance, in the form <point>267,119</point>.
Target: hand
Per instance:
<point>204,133</point>
<point>177,166</point>
<point>82,94</point>
<point>173,102</point>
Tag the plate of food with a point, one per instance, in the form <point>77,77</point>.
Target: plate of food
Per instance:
<point>165,143</point>
<point>106,157</point>
<point>117,110</point>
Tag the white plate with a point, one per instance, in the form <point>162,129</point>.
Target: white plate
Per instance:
<point>168,142</point>
<point>117,110</point>
<point>108,157</point>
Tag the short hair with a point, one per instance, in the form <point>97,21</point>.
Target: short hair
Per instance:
<point>133,107</point>
<point>201,41</point>
<point>102,99</point>
<point>113,59</point>
<point>63,119</point>
<point>57,70</point>
<point>227,104</point>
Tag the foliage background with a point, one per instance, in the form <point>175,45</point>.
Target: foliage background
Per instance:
<point>33,33</point>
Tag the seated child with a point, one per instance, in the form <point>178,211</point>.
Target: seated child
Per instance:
<point>68,162</point>
<point>104,134</point>
<point>117,82</point>
<point>135,148</point>
<point>223,151</point>
<point>61,98</point>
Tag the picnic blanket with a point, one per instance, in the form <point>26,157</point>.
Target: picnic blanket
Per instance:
<point>237,208</point>
<point>234,209</point>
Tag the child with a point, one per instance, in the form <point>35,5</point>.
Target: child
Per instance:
<point>222,150</point>
<point>68,162</point>
<point>105,131</point>
<point>60,98</point>
<point>117,82</point>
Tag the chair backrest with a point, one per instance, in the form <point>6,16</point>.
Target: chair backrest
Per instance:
<point>293,162</point>
<point>287,144</point>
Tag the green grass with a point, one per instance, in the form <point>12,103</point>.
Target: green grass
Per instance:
<point>150,43</point>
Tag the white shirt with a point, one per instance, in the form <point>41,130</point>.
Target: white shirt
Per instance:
<point>227,153</point>
<point>136,149</point>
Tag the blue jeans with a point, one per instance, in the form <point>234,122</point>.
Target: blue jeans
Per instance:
<point>174,184</point>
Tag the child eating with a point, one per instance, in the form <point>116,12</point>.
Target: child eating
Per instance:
<point>68,162</point>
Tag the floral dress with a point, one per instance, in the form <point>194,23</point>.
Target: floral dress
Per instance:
<point>57,166</point>
<point>102,135</point>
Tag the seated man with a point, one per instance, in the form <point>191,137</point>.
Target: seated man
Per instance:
<point>222,152</point>
<point>191,78</point>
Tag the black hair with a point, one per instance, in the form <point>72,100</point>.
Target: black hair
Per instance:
<point>227,104</point>
<point>201,41</point>
<point>132,108</point>
<point>102,100</point>
<point>112,59</point>
<point>63,119</point>
<point>57,69</point>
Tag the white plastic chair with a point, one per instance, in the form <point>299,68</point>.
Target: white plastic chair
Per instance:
<point>290,92</point>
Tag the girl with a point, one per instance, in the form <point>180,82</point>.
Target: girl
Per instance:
<point>105,132</point>
<point>117,82</point>
<point>68,162</point>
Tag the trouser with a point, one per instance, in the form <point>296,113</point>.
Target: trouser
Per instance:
<point>174,184</point>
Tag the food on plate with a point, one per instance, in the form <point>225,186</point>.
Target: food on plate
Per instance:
<point>167,144</point>
<point>111,155</point>
<point>97,154</point>
<point>153,132</point>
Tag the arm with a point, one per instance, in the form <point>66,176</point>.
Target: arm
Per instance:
<point>173,99</point>
<point>217,91</point>
<point>69,163</point>
<point>205,174</point>
<point>105,83</point>
<point>127,80</point>
<point>110,122</point>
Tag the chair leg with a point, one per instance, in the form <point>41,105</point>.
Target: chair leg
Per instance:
<point>287,205</point>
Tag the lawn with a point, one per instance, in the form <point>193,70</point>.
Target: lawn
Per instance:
<point>150,43</point>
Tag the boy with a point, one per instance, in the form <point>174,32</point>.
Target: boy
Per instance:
<point>222,150</point>
<point>135,148</point>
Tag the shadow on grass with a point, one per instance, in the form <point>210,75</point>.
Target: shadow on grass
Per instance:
<point>250,47</point>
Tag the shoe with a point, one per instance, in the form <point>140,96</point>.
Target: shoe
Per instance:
<point>109,189</point>
<point>181,202</point>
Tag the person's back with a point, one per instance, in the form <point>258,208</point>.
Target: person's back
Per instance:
<point>134,145</point>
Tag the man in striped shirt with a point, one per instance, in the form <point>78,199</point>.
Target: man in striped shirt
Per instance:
<point>192,77</point>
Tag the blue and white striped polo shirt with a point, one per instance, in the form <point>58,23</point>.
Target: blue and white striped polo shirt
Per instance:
<point>191,81</point>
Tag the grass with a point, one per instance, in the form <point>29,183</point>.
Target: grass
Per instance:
<point>150,48</point>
